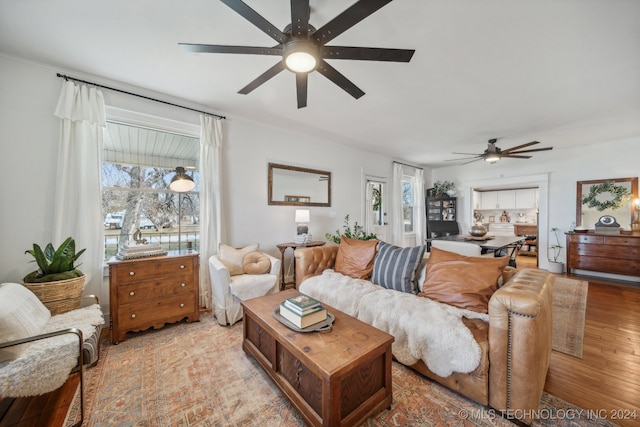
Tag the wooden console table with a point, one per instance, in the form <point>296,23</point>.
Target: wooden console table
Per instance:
<point>283,247</point>
<point>607,253</point>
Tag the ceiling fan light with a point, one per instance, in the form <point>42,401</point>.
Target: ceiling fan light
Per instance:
<point>492,157</point>
<point>300,56</point>
<point>300,62</point>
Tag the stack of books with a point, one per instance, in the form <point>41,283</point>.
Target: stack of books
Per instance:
<point>303,311</point>
<point>140,251</point>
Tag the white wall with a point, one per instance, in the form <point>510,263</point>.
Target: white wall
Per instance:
<point>564,167</point>
<point>29,138</point>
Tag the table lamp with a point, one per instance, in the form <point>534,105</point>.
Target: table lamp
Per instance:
<point>302,218</point>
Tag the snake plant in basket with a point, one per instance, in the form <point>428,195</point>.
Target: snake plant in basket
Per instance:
<point>56,282</point>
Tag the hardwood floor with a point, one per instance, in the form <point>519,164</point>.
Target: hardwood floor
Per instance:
<point>606,380</point>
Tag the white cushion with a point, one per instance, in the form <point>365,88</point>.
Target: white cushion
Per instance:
<point>247,286</point>
<point>22,315</point>
<point>232,258</point>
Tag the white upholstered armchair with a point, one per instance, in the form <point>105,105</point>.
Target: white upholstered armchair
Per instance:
<point>228,290</point>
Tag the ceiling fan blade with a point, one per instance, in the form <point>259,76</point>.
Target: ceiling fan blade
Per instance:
<point>514,156</point>
<point>256,19</point>
<point>462,158</point>
<point>474,160</point>
<point>347,19</point>
<point>530,151</point>
<point>520,146</point>
<point>216,48</point>
<point>335,76</point>
<point>367,53</point>
<point>468,154</point>
<point>301,88</point>
<point>271,72</point>
<point>300,17</point>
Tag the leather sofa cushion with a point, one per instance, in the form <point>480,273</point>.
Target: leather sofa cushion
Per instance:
<point>462,281</point>
<point>256,263</point>
<point>355,257</point>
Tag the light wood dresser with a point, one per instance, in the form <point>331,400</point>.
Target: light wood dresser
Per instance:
<point>150,292</point>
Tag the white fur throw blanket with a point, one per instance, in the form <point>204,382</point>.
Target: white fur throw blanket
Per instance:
<point>422,328</point>
<point>45,364</point>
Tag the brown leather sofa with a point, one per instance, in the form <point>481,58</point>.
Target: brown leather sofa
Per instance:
<point>515,343</point>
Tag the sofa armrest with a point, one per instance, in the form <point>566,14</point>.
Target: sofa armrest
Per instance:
<point>520,335</point>
<point>313,261</point>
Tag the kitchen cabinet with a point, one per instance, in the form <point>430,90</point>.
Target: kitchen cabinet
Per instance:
<point>492,200</point>
<point>489,200</point>
<point>507,199</point>
<point>527,198</point>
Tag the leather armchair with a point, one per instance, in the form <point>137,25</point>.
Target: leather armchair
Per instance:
<point>228,291</point>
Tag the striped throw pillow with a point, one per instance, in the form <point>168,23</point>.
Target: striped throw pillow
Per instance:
<point>395,267</point>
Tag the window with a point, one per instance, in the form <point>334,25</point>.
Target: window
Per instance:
<point>138,164</point>
<point>408,204</point>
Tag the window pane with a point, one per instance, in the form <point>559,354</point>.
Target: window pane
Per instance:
<point>136,196</point>
<point>407,193</point>
<point>408,219</point>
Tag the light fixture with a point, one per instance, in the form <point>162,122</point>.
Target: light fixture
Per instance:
<point>181,183</point>
<point>302,218</point>
<point>300,56</point>
<point>492,154</point>
<point>635,225</point>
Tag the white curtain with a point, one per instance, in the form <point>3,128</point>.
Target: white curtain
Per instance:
<point>210,196</point>
<point>420,215</point>
<point>397,217</point>
<point>77,210</point>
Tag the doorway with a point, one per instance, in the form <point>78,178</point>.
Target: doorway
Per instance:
<point>375,207</point>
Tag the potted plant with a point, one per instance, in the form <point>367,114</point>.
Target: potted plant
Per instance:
<point>357,233</point>
<point>56,282</point>
<point>556,266</point>
<point>442,188</point>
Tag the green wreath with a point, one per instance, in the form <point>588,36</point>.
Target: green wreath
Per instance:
<point>621,195</point>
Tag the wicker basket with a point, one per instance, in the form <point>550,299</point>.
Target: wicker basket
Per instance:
<point>60,296</point>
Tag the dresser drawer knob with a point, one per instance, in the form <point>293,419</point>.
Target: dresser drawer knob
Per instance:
<point>182,285</point>
<point>181,267</point>
<point>133,316</point>
<point>181,305</point>
<point>131,273</point>
<point>132,293</point>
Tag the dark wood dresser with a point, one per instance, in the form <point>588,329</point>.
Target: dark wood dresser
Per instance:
<point>615,254</point>
<point>150,292</point>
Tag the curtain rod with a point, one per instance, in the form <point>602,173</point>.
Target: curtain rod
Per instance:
<point>407,164</point>
<point>139,96</point>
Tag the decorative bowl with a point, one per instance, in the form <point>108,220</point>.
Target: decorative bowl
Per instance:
<point>478,230</point>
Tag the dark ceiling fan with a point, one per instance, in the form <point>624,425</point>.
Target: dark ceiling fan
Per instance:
<point>492,154</point>
<point>303,48</point>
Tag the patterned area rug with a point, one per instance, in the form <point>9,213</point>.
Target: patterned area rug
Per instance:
<point>569,306</point>
<point>197,375</point>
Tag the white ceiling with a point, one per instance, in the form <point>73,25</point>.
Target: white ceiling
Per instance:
<point>563,72</point>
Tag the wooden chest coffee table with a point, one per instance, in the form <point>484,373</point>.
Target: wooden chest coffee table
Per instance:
<point>335,378</point>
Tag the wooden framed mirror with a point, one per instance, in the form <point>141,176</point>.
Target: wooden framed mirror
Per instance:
<point>603,195</point>
<point>295,186</point>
